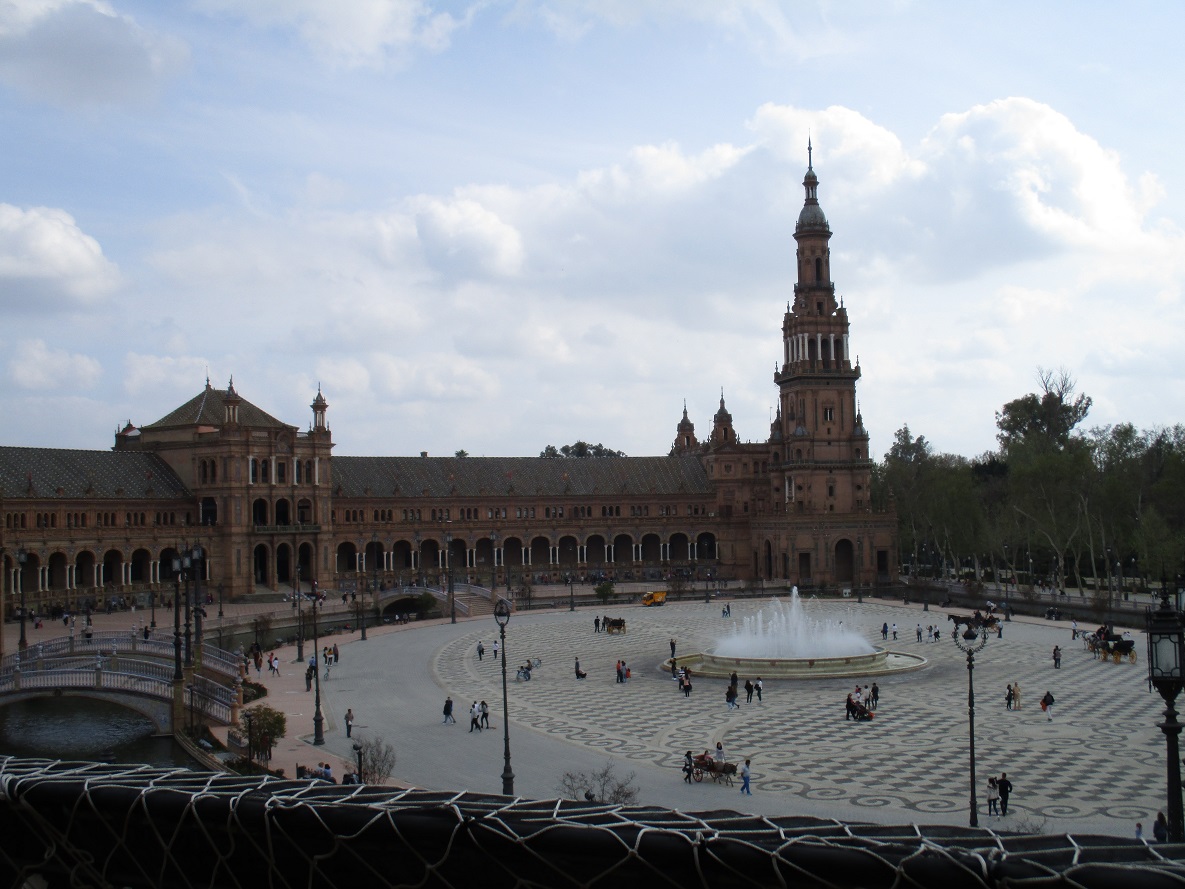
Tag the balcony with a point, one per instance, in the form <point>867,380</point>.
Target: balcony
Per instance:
<point>286,529</point>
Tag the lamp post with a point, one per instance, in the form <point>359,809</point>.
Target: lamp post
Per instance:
<point>318,718</point>
<point>199,607</point>
<point>358,753</point>
<point>971,635</point>
<point>220,588</point>
<point>571,593</point>
<point>178,676</point>
<point>502,616</point>
<point>299,618</point>
<point>448,567</point>
<point>22,556</point>
<point>152,602</point>
<point>1166,673</point>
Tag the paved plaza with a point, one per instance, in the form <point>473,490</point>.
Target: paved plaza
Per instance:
<point>1097,767</point>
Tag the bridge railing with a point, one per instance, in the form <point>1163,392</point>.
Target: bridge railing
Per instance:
<point>442,595</point>
<point>213,658</point>
<point>91,678</point>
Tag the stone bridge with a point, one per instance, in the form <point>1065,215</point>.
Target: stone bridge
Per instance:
<point>472,600</point>
<point>128,670</point>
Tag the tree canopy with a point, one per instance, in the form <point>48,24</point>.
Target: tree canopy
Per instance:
<point>580,449</point>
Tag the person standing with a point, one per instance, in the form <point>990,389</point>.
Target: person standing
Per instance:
<point>919,632</point>
<point>448,712</point>
<point>475,717</point>
<point>1015,702</point>
<point>1057,658</point>
<point>349,721</point>
<point>1008,698</point>
<point>745,774</point>
<point>1160,828</point>
<point>688,766</point>
<point>620,673</point>
<point>757,688</point>
<point>337,658</point>
<point>748,691</point>
<point>1047,705</point>
<point>719,752</point>
<point>597,624</point>
<point>875,696</point>
<point>1004,786</point>
<point>672,647</point>
<point>993,796</point>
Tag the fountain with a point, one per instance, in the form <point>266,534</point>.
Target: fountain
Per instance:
<point>787,643</point>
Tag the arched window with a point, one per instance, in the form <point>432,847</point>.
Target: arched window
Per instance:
<point>818,270</point>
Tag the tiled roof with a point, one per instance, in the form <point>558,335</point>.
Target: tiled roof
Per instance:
<point>205,409</point>
<point>106,475</point>
<point>517,476</point>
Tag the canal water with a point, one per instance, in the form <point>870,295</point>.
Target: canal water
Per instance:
<point>78,728</point>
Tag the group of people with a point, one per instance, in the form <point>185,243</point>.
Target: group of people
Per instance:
<point>481,650</point>
<point>623,672</point>
<point>933,633</point>
<point>861,702</point>
<point>708,759</point>
<point>479,715</point>
<point>998,791</point>
<point>751,687</point>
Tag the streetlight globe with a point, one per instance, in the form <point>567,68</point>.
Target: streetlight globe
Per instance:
<point>502,613</point>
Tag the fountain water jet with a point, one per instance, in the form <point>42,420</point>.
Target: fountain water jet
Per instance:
<point>792,645</point>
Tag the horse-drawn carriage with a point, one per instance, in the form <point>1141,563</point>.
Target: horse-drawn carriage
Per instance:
<point>1111,646</point>
<point>717,770</point>
<point>615,625</point>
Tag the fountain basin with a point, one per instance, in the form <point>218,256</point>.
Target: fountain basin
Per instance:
<point>879,663</point>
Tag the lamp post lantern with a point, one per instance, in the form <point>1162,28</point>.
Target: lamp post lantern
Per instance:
<point>199,607</point>
<point>502,616</point>
<point>571,593</point>
<point>318,718</point>
<point>971,635</point>
<point>178,676</point>
<point>448,567</point>
<point>1166,673</point>
<point>22,556</point>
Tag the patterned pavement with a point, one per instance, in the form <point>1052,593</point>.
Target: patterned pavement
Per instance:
<point>1098,765</point>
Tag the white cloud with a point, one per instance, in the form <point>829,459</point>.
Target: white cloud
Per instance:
<point>171,377</point>
<point>34,365</point>
<point>463,236</point>
<point>82,52</point>
<point>353,32</point>
<point>46,260</point>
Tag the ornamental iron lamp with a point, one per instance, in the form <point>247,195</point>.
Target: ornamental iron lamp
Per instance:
<point>1166,673</point>
<point>22,556</point>
<point>199,607</point>
<point>318,717</point>
<point>448,567</point>
<point>299,617</point>
<point>970,635</point>
<point>177,674</point>
<point>502,616</point>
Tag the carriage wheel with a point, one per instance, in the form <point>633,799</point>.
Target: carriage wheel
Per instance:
<point>1131,656</point>
<point>697,773</point>
<point>1116,656</point>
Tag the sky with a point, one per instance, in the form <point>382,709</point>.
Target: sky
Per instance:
<point>503,224</point>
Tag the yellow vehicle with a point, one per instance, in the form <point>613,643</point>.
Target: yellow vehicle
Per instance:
<point>658,597</point>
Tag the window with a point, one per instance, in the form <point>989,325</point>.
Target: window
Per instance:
<point>828,415</point>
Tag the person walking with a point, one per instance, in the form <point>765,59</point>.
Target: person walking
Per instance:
<point>745,774</point>
<point>894,632</point>
<point>993,796</point>
<point>485,715</point>
<point>448,712</point>
<point>748,691</point>
<point>757,689</point>
<point>1047,705</point>
<point>688,766</point>
<point>875,696</point>
<point>349,721</point>
<point>495,651</point>
<point>1004,786</point>
<point>885,630</point>
<point>481,650</point>
<point>730,697</point>
<point>1057,658</point>
<point>475,717</point>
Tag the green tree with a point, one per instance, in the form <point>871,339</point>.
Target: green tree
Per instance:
<point>1048,417</point>
<point>604,591</point>
<point>461,454</point>
<point>263,727</point>
<point>580,449</point>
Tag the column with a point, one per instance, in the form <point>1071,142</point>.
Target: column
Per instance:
<point>786,351</point>
<point>846,357</point>
<point>819,346</point>
<point>832,347</point>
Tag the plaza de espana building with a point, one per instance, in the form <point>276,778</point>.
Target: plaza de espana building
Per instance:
<point>271,505</point>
